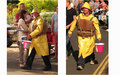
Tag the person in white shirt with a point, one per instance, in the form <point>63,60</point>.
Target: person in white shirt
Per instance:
<point>22,31</point>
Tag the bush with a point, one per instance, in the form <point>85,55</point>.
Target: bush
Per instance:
<point>41,5</point>
<point>46,5</point>
<point>11,15</point>
<point>47,17</point>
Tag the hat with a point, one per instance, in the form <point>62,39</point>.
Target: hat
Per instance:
<point>86,5</point>
<point>35,10</point>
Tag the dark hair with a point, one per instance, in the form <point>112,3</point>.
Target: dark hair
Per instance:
<point>56,7</point>
<point>22,14</point>
<point>68,1</point>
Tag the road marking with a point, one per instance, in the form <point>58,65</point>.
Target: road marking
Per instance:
<point>100,65</point>
<point>99,73</point>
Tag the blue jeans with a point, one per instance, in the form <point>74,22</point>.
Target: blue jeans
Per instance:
<point>68,45</point>
<point>81,61</point>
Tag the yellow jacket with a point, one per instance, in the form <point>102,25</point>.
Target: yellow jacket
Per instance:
<point>38,42</point>
<point>86,45</point>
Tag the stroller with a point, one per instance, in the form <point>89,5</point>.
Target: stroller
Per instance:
<point>50,42</point>
<point>101,15</point>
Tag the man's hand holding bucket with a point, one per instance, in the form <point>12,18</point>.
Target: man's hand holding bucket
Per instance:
<point>28,37</point>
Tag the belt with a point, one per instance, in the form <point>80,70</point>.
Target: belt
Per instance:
<point>84,31</point>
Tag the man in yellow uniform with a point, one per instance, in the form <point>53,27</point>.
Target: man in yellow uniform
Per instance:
<point>87,25</point>
<point>39,44</point>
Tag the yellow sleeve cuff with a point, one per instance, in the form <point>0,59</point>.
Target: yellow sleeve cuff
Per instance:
<point>99,36</point>
<point>70,32</point>
<point>35,33</point>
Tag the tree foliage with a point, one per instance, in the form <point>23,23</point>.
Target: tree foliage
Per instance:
<point>41,5</point>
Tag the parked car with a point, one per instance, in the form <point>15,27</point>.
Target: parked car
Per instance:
<point>11,35</point>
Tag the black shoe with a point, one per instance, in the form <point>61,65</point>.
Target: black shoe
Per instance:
<point>26,68</point>
<point>92,62</point>
<point>79,68</point>
<point>47,68</point>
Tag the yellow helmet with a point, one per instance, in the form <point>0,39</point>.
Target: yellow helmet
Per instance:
<point>86,5</point>
<point>35,10</point>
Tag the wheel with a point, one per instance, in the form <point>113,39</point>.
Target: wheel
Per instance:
<point>9,43</point>
<point>49,47</point>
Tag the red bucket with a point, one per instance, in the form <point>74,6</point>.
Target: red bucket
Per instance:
<point>26,44</point>
<point>99,47</point>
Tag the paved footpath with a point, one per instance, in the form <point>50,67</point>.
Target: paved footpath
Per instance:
<point>38,65</point>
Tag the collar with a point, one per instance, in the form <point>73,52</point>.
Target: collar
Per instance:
<point>37,17</point>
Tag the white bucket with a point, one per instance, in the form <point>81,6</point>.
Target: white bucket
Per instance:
<point>26,44</point>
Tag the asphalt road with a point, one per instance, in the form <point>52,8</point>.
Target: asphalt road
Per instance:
<point>38,65</point>
<point>97,69</point>
<point>101,67</point>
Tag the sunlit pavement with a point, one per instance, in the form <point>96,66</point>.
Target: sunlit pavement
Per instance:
<point>38,65</point>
